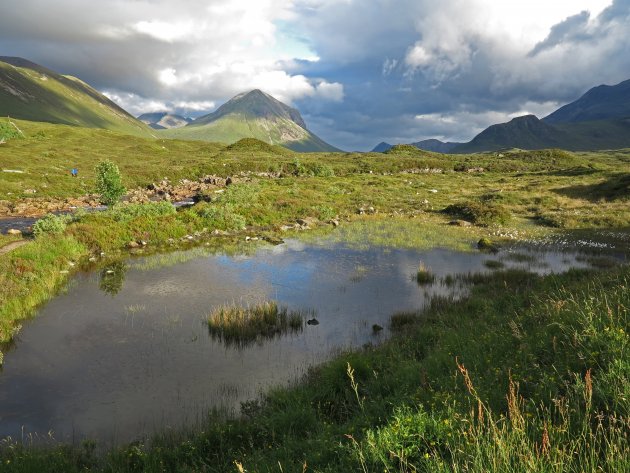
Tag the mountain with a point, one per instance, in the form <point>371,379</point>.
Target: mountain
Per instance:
<point>434,145</point>
<point>600,103</point>
<point>598,120</point>
<point>164,120</point>
<point>382,147</point>
<point>32,92</point>
<point>526,132</point>
<point>253,114</point>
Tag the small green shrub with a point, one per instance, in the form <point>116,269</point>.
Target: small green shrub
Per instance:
<point>109,183</point>
<point>221,217</point>
<point>324,212</point>
<point>125,213</point>
<point>479,213</point>
<point>242,195</point>
<point>310,170</point>
<point>9,132</point>
<point>51,223</point>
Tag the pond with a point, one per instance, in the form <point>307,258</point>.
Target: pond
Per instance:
<point>126,350</point>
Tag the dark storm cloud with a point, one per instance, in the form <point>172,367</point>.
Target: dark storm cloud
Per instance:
<point>388,70</point>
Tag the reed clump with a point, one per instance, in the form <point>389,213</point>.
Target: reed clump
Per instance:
<point>238,325</point>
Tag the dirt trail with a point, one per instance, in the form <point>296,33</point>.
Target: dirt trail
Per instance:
<point>12,246</point>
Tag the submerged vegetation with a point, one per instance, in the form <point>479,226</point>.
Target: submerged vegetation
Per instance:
<point>241,326</point>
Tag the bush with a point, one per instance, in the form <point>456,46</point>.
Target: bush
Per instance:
<point>124,213</point>
<point>109,183</point>
<point>221,217</point>
<point>479,213</point>
<point>310,170</point>
<point>9,132</point>
<point>51,223</point>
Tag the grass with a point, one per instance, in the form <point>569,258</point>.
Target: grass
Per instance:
<point>430,399</point>
<point>424,275</point>
<point>517,350</point>
<point>241,326</point>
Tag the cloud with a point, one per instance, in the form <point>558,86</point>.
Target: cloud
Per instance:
<point>359,71</point>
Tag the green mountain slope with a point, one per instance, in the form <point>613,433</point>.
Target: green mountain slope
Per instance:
<point>32,92</point>
<point>253,115</point>
<point>600,103</point>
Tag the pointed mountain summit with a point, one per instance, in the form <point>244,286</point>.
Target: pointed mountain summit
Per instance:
<point>253,114</point>
<point>164,120</point>
<point>32,92</point>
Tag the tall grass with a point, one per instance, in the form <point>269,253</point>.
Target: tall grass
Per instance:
<point>241,326</point>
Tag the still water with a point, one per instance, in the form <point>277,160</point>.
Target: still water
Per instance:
<point>126,352</point>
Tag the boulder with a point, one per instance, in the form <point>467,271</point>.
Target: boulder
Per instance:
<point>14,231</point>
<point>460,223</point>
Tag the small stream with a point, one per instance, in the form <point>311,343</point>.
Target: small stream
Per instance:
<point>126,351</point>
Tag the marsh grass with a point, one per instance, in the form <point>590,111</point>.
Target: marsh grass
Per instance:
<point>493,264</point>
<point>402,320</point>
<point>424,275</point>
<point>242,326</point>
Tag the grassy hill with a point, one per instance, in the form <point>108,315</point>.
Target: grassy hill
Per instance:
<point>32,92</point>
<point>253,115</point>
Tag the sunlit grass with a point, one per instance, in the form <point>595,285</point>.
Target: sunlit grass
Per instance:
<point>241,326</point>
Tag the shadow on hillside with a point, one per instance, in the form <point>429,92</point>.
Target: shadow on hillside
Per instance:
<point>616,187</point>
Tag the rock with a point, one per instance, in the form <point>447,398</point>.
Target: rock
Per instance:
<point>376,328</point>
<point>425,202</point>
<point>360,210</point>
<point>307,221</point>
<point>433,191</point>
<point>334,223</point>
<point>228,181</point>
<point>371,210</point>
<point>286,228</point>
<point>486,244</point>
<point>312,322</point>
<point>133,244</point>
<point>460,223</point>
<point>14,231</point>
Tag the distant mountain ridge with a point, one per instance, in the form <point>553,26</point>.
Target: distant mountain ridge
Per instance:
<point>598,120</point>
<point>434,145</point>
<point>29,91</point>
<point>164,120</point>
<point>253,114</point>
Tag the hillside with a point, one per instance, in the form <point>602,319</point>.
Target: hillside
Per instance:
<point>600,103</point>
<point>164,120</point>
<point>31,92</point>
<point>257,115</point>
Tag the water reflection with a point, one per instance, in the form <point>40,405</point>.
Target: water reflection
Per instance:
<point>126,351</point>
<point>112,277</point>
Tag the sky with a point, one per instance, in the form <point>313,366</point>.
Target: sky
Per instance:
<point>359,71</point>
